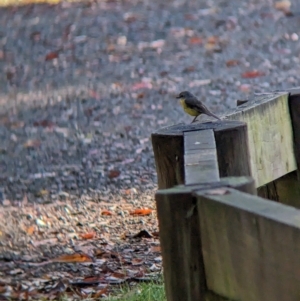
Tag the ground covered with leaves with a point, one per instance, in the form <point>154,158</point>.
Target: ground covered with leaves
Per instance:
<point>83,85</point>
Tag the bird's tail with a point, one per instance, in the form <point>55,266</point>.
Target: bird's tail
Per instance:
<point>209,113</point>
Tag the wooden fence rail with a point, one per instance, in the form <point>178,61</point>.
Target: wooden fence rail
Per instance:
<point>219,240</point>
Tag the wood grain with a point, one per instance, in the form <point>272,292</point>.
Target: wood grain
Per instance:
<point>200,157</point>
<point>181,241</point>
<point>250,246</point>
<point>270,136</point>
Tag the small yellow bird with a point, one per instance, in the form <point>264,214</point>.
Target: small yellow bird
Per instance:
<point>193,106</point>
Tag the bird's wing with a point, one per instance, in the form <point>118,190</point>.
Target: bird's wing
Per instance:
<point>194,103</point>
<point>198,106</point>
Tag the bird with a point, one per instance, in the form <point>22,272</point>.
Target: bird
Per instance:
<point>193,106</point>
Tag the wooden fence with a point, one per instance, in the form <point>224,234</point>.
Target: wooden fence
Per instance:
<point>222,238</point>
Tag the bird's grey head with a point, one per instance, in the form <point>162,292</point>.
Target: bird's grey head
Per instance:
<point>184,94</point>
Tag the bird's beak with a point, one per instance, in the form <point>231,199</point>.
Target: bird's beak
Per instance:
<point>177,96</point>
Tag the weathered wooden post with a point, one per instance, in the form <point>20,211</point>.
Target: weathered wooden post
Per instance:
<point>231,143</point>
<point>180,238</point>
<point>194,163</point>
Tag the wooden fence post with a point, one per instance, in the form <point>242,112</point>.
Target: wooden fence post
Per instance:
<point>230,139</point>
<point>180,238</point>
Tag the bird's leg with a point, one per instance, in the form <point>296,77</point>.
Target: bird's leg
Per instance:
<point>194,119</point>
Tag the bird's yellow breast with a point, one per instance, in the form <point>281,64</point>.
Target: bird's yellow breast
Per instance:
<point>187,109</point>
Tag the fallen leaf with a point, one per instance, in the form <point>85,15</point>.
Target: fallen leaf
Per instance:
<point>106,212</point>
<point>101,292</point>
<point>155,249</point>
<point>284,5</point>
<point>245,88</point>
<point>252,74</point>
<point>44,123</point>
<point>141,85</point>
<point>232,63</point>
<point>141,212</point>
<point>116,278</point>
<point>30,230</point>
<point>42,192</point>
<point>87,281</point>
<point>32,143</point>
<point>51,56</point>
<point>212,43</point>
<point>136,261</point>
<point>113,174</point>
<point>195,41</point>
<point>88,235</point>
<point>76,257</point>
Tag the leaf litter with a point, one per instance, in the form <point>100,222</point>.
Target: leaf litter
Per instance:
<point>77,250</point>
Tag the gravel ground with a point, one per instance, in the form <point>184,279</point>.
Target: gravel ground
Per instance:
<point>83,85</point>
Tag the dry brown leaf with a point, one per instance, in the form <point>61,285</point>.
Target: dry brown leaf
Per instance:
<point>245,88</point>
<point>42,192</point>
<point>44,123</point>
<point>195,41</point>
<point>32,143</point>
<point>51,56</point>
<point>252,74</point>
<point>141,212</point>
<point>284,5</point>
<point>76,257</point>
<point>88,235</point>
<point>232,63</point>
<point>155,249</point>
<point>106,212</point>
<point>113,174</point>
<point>211,43</point>
<point>30,230</point>
<point>100,293</point>
<point>141,85</point>
<point>136,261</point>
